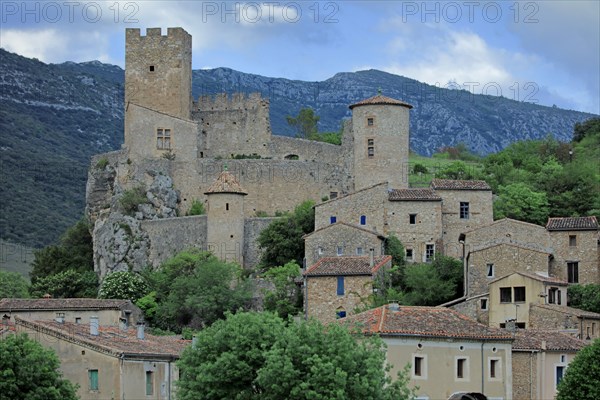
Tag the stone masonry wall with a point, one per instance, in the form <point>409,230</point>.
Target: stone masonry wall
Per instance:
<point>252,228</point>
<point>585,252</point>
<point>325,243</point>
<point>524,370</point>
<point>170,236</point>
<point>557,320</point>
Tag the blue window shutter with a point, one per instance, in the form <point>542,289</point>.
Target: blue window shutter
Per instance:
<point>340,285</point>
<point>363,219</point>
<point>333,219</point>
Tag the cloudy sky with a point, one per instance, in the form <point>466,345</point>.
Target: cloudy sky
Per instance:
<point>540,51</point>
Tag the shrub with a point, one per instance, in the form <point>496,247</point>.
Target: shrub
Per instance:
<point>197,208</point>
<point>130,199</point>
<point>123,285</point>
<point>102,163</point>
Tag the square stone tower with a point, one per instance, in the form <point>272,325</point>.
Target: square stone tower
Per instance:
<point>380,126</point>
<point>158,70</point>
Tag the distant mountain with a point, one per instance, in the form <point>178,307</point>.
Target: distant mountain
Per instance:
<point>53,117</point>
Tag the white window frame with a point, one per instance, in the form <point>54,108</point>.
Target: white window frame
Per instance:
<point>425,252</point>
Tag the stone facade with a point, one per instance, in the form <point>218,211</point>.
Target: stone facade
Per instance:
<point>578,323</point>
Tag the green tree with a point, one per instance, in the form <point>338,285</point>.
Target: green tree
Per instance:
<point>259,356</point>
<point>457,170</point>
<point>123,285</point>
<point>286,298</point>
<point>305,123</point>
<point>194,289</point>
<point>28,371</point>
<point>426,287</point>
<point>519,201</point>
<point>13,285</point>
<point>585,297</point>
<point>67,284</point>
<point>582,379</point>
<point>583,129</point>
<point>73,252</point>
<point>281,242</point>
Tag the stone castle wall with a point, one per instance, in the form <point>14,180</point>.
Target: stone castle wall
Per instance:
<point>252,228</point>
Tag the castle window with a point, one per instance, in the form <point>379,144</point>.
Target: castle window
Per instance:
<point>363,219</point>
<point>429,252</point>
<point>370,121</point>
<point>340,285</point>
<point>409,254</point>
<point>333,195</point>
<point>573,272</point>
<point>519,294</point>
<point>505,295</point>
<point>490,270</point>
<point>163,139</point>
<point>464,210</point>
<point>412,219</point>
<point>572,240</point>
<point>151,68</point>
<point>226,206</point>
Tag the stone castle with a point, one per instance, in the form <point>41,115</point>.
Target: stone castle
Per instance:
<point>219,151</point>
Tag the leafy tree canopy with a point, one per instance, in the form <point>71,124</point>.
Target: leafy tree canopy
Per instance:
<point>194,289</point>
<point>305,123</point>
<point>585,297</point>
<point>13,285</point>
<point>260,356</point>
<point>286,298</point>
<point>282,241</point>
<point>66,284</point>
<point>123,285</point>
<point>431,284</point>
<point>28,371</point>
<point>582,379</point>
<point>519,201</point>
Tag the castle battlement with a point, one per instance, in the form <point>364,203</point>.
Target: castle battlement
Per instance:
<point>175,33</point>
<point>237,101</point>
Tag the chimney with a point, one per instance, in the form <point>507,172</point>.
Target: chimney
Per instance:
<point>94,326</point>
<point>371,258</point>
<point>60,317</point>
<point>123,325</point>
<point>140,330</point>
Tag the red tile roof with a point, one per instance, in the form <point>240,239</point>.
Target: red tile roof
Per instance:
<point>413,194</point>
<point>439,322</point>
<point>572,224</point>
<point>457,184</point>
<point>226,182</point>
<point>567,310</point>
<point>339,224</point>
<point>334,266</point>
<point>110,340</point>
<point>380,100</point>
<point>529,339</point>
<point>63,304</point>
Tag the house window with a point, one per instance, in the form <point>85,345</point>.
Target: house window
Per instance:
<point>370,142</point>
<point>151,68</point>
<point>505,295</point>
<point>484,304</point>
<point>412,219</point>
<point>572,240</point>
<point>363,219</point>
<point>333,219</point>
<point>149,383</point>
<point>519,294</point>
<point>227,206</point>
<point>340,285</point>
<point>93,378</point>
<point>464,210</point>
<point>418,366</point>
<point>340,250</point>
<point>573,272</point>
<point>520,325</point>
<point>371,152</point>
<point>560,372</point>
<point>340,313</point>
<point>77,320</point>
<point>554,296</point>
<point>370,121</point>
<point>494,368</point>
<point>163,139</point>
<point>429,252</point>
<point>333,195</point>
<point>409,254</point>
<point>462,368</point>
<point>490,270</point>
<point>359,251</point>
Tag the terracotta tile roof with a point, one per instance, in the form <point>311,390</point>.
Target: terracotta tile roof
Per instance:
<point>110,340</point>
<point>226,182</point>
<point>380,99</point>
<point>537,277</point>
<point>567,310</point>
<point>63,304</point>
<point>572,224</point>
<point>439,322</point>
<point>458,184</point>
<point>339,224</point>
<point>529,339</point>
<point>334,266</point>
<point>413,194</point>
